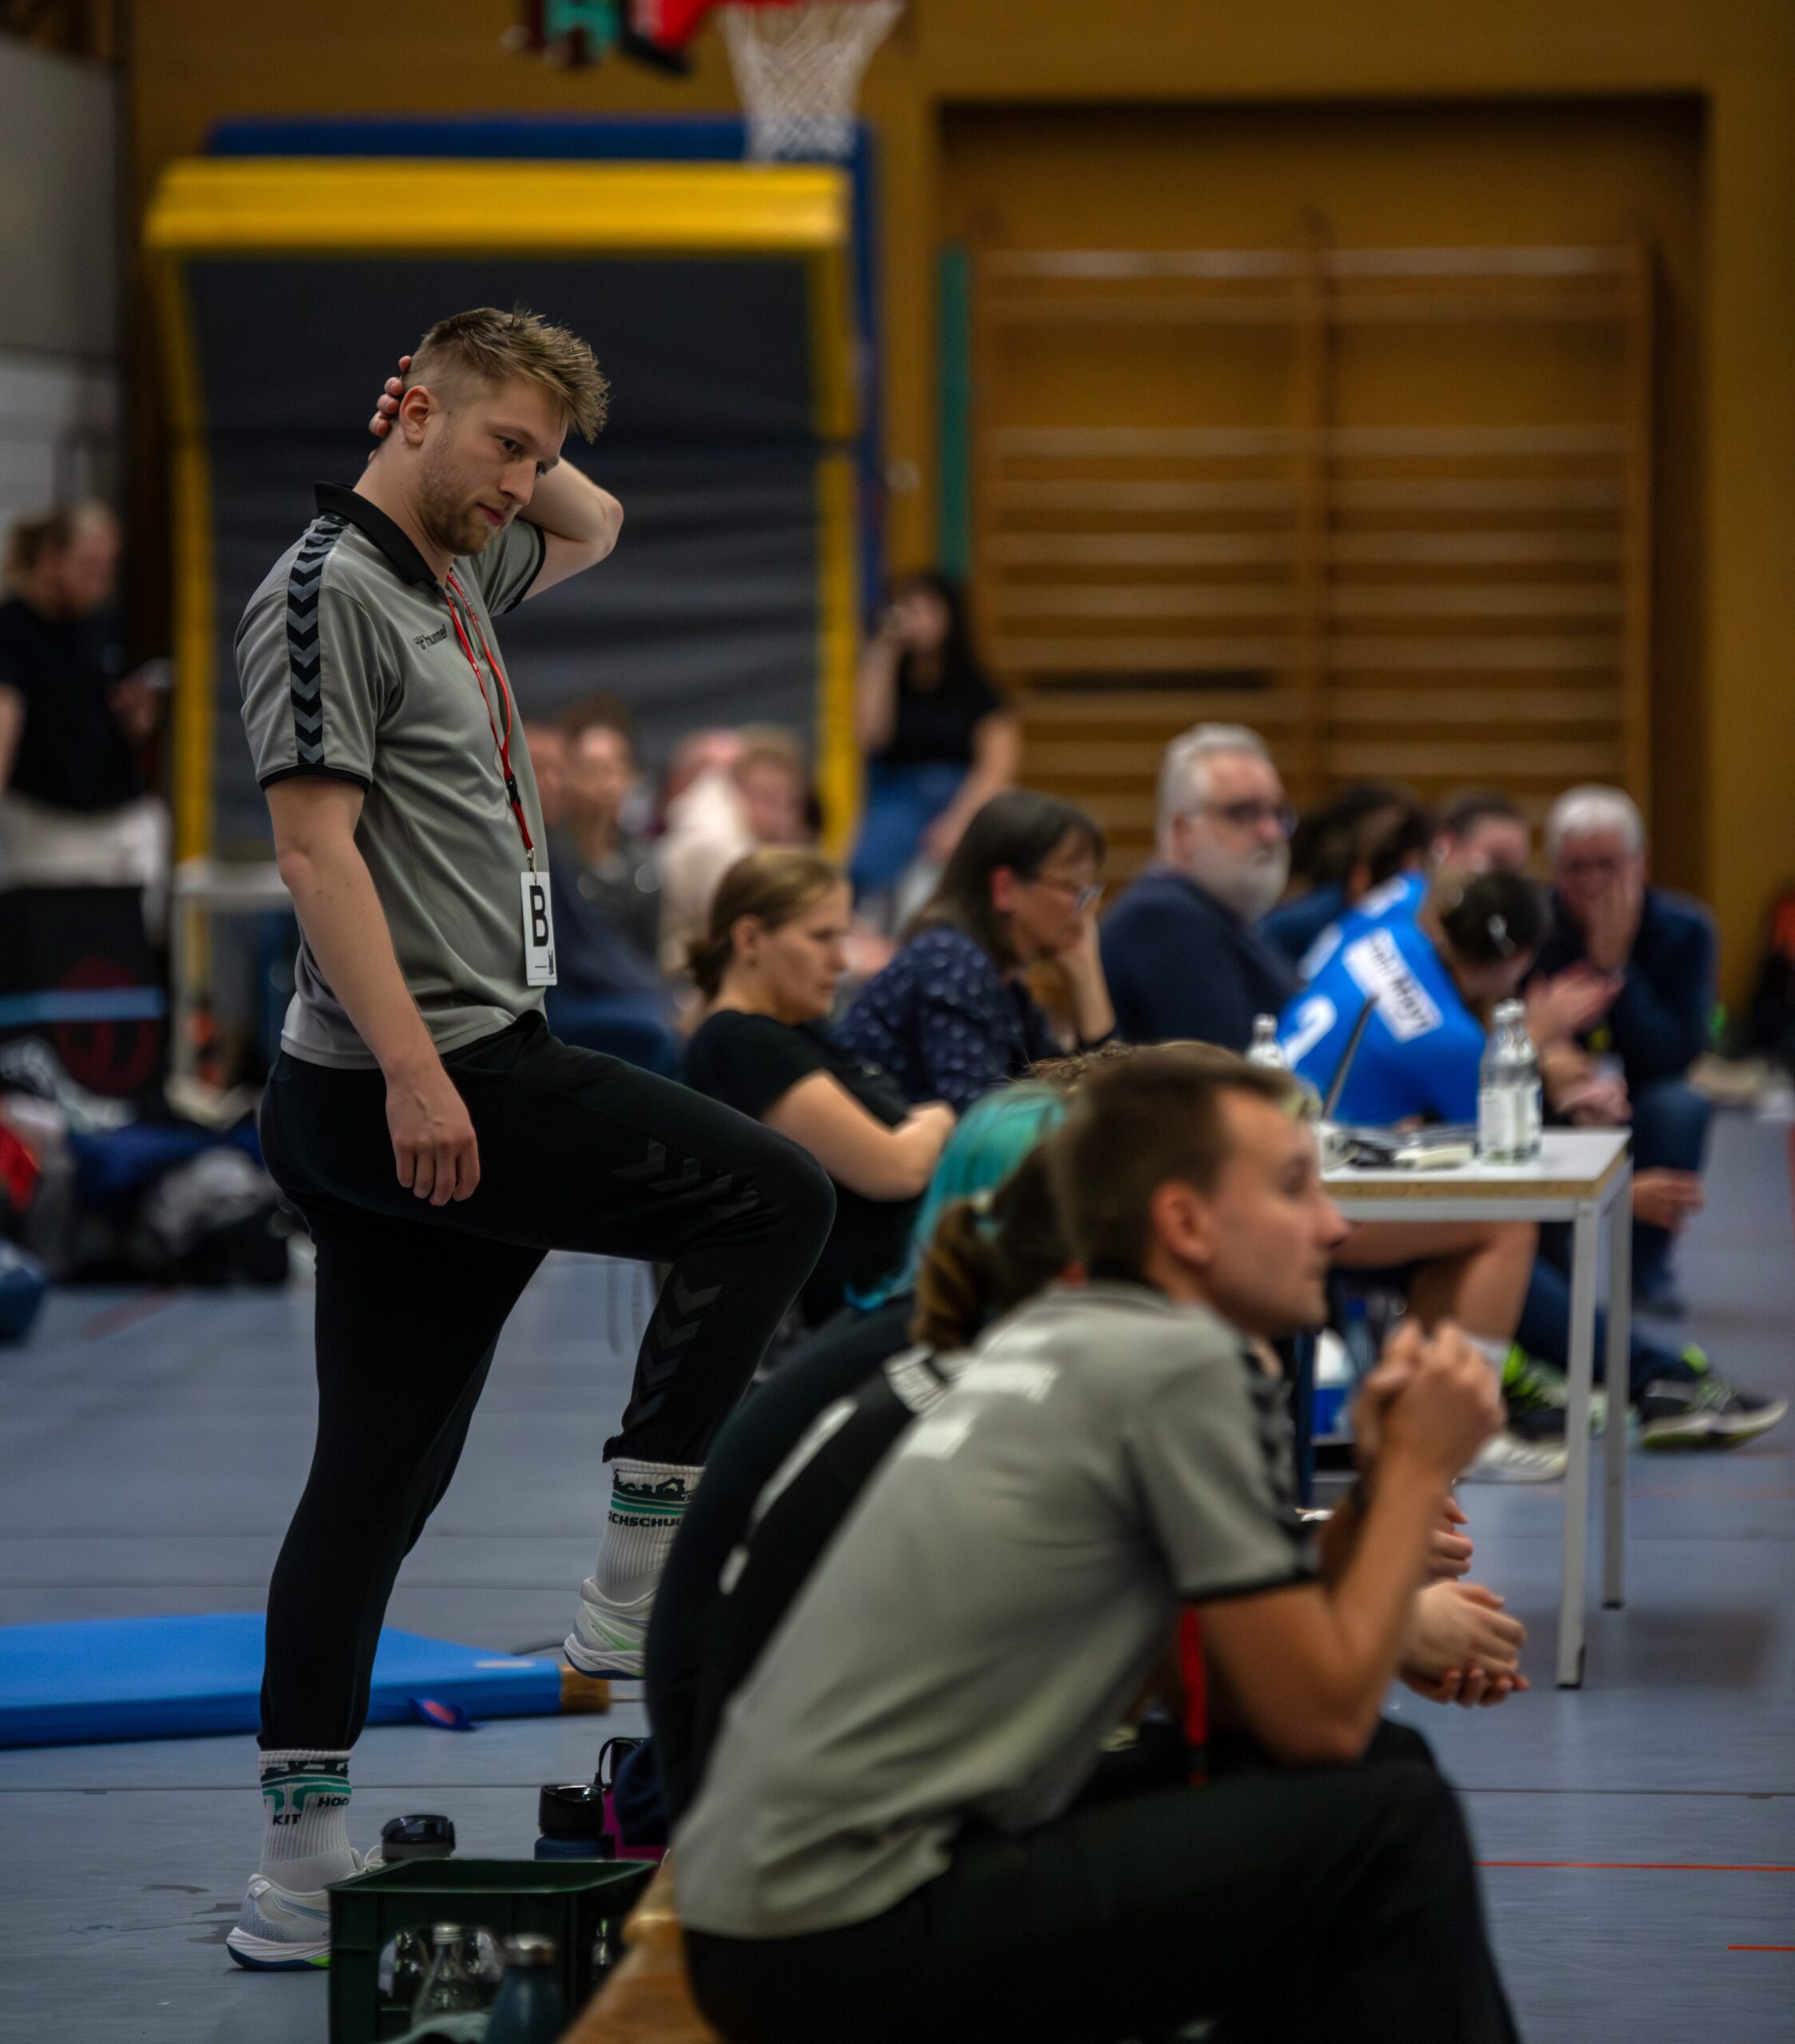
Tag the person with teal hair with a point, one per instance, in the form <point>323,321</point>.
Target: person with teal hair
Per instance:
<point>990,1138</point>
<point>995,1137</point>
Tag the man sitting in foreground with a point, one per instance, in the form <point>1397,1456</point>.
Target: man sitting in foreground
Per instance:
<point>887,1842</point>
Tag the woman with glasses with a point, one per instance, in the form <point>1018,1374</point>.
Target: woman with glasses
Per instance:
<point>949,1017</point>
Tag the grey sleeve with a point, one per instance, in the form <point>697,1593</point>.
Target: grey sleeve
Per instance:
<point>314,687</point>
<point>1211,1479</point>
<point>505,571</point>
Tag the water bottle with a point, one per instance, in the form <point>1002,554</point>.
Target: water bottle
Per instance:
<point>1264,1049</point>
<point>1508,1098</point>
<point>528,2009</point>
<point>449,1987</point>
<point>570,1817</point>
<point>430,1837</point>
<point>1357,1337</point>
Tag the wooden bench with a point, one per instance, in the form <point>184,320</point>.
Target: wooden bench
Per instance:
<point>647,1998</point>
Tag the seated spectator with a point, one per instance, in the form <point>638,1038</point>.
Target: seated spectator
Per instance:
<point>949,1018</point>
<point>1368,835</point>
<point>838,1360</point>
<point>548,757</point>
<point>782,1479</point>
<point>750,789</point>
<point>75,805</point>
<point>1479,831</point>
<point>1434,980</point>
<point>887,1841</point>
<point>606,885</point>
<point>937,740</point>
<point>1180,948</point>
<point>768,971</point>
<point>1655,953</point>
<point>1431,978</point>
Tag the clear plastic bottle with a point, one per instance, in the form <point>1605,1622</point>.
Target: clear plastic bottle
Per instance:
<point>1508,1097</point>
<point>529,2009</point>
<point>1265,1049</point>
<point>449,1987</point>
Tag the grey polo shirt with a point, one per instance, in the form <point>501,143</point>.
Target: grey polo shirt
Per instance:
<point>351,666</point>
<point>990,1609</point>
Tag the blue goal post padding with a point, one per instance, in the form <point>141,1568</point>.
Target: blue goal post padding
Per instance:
<point>101,1679</point>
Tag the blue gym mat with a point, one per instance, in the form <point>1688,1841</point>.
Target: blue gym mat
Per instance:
<point>166,1678</point>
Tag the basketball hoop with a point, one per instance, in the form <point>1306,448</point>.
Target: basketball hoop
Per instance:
<point>797,66</point>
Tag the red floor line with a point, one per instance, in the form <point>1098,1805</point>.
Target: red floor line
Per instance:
<point>1641,1866</point>
<point>1761,1947</point>
<point>127,1313</point>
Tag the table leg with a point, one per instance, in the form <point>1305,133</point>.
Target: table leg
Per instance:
<point>1576,1442</point>
<point>1620,1322</point>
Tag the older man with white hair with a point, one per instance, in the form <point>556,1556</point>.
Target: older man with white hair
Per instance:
<point>1180,951</point>
<point>1658,950</point>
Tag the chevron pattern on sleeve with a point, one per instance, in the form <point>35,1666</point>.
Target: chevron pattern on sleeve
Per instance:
<point>304,659</point>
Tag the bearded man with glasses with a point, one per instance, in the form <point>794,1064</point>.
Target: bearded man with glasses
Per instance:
<point>1180,951</point>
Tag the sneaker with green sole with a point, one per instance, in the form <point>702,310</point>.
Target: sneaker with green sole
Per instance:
<point>1534,1393</point>
<point>1703,1410</point>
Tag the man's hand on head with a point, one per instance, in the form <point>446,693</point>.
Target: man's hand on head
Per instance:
<point>386,405</point>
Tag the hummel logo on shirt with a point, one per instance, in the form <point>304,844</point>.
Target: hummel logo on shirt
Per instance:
<point>428,639</point>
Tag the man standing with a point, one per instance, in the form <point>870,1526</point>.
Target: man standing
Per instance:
<point>1179,949</point>
<point>437,1139</point>
<point>1656,952</point>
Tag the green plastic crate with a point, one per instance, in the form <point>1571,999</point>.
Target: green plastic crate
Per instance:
<point>570,1900</point>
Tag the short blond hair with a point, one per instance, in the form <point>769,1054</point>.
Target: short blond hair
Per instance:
<point>491,347</point>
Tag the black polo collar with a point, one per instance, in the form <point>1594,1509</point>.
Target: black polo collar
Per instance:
<point>404,559</point>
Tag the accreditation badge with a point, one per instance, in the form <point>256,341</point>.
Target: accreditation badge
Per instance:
<point>539,930</point>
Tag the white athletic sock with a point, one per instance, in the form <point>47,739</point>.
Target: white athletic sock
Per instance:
<point>305,1795</point>
<point>647,1501</point>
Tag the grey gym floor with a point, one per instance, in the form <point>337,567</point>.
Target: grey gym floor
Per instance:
<point>1639,1836</point>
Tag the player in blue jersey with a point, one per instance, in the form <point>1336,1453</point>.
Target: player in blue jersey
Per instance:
<point>1433,978</point>
<point>1481,831</point>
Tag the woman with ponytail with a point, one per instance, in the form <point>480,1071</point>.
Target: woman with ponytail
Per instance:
<point>767,967</point>
<point>984,1240</point>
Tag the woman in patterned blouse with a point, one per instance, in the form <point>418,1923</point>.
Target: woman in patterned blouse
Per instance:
<point>949,1017</point>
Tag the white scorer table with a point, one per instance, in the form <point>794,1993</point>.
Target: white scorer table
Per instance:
<point>1581,1176</point>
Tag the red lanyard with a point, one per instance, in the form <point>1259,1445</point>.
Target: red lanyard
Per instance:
<point>501,740</point>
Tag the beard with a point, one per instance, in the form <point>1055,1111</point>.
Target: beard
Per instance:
<point>445,511</point>
<point>1249,884</point>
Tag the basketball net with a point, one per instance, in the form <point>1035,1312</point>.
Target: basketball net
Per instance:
<point>798,70</point>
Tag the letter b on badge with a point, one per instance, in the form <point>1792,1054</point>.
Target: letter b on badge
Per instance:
<point>539,931</point>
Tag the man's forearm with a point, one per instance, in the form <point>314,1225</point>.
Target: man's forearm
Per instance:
<point>567,504</point>
<point>345,929</point>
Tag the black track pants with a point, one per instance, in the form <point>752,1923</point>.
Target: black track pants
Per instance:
<point>577,1151</point>
<point>1294,1904</point>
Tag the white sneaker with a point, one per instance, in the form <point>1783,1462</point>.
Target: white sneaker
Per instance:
<point>1505,1457</point>
<point>281,1930</point>
<point>609,1638</point>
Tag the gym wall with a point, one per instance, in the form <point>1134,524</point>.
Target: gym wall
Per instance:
<point>1723,712</point>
